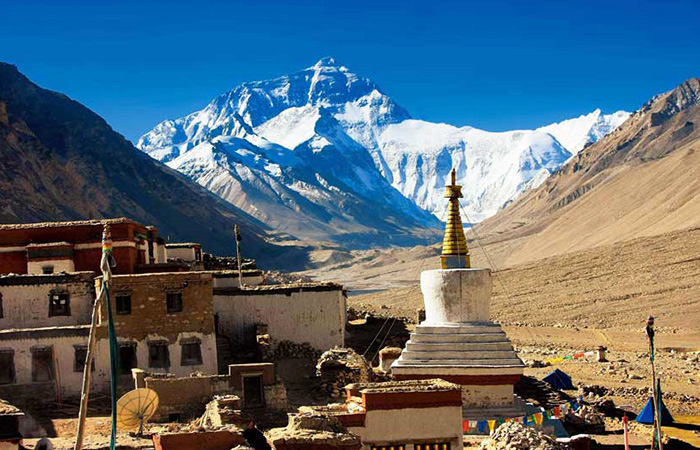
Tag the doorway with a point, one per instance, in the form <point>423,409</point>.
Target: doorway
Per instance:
<point>253,395</point>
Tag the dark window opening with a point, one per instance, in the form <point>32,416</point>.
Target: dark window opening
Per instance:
<point>7,366</point>
<point>158,355</point>
<point>174,301</point>
<point>2,311</point>
<point>191,352</point>
<point>127,358</point>
<point>59,304</point>
<point>80,358</point>
<point>253,395</point>
<point>47,270</point>
<point>42,364</point>
<point>197,254</point>
<point>123,302</point>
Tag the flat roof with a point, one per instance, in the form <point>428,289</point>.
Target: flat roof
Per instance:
<point>182,245</point>
<point>7,409</point>
<point>266,289</point>
<point>114,221</point>
<point>14,334</point>
<point>431,385</point>
<point>13,279</point>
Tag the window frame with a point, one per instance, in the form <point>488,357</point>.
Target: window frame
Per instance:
<point>64,310</point>
<point>158,344</point>
<point>170,297</point>
<point>132,346</point>
<point>79,363</point>
<point>13,373</point>
<point>122,295</point>
<point>197,360</point>
<point>42,349</point>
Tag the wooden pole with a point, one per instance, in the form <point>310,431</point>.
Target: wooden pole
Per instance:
<point>655,394</point>
<point>237,236</point>
<point>87,373</point>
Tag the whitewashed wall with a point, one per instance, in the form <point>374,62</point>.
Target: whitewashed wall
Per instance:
<point>316,317</point>
<point>406,426</point>
<point>27,305</point>
<point>59,265</point>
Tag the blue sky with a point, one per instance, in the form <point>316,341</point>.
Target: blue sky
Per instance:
<point>495,65</point>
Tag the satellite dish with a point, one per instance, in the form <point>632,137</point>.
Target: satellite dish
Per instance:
<point>135,408</point>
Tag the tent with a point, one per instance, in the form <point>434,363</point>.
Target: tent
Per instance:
<point>559,380</point>
<point>646,415</point>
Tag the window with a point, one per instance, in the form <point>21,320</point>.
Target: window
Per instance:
<point>433,446</point>
<point>123,302</point>
<point>174,302</point>
<point>158,355</point>
<point>42,364</point>
<point>7,366</point>
<point>127,358</point>
<point>2,313</point>
<point>59,304</point>
<point>80,357</point>
<point>191,352</point>
<point>47,270</point>
<point>390,447</point>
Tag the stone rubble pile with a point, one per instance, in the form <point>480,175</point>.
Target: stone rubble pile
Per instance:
<point>642,394</point>
<point>339,367</point>
<point>516,436</point>
<point>288,349</point>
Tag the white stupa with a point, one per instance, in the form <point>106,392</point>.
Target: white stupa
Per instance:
<point>457,342</point>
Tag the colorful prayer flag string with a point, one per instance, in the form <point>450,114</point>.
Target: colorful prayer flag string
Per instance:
<point>570,357</point>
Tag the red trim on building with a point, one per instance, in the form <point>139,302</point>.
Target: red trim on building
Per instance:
<point>466,380</point>
<point>402,400</point>
<point>352,419</point>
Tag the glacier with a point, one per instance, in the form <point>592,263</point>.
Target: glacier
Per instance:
<point>325,155</point>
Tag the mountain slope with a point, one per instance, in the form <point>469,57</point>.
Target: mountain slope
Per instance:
<point>60,161</point>
<point>641,180</point>
<point>575,134</point>
<point>357,170</point>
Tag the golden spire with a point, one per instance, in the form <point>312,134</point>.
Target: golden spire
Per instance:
<point>455,254</point>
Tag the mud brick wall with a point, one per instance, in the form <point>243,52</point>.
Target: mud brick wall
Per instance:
<point>149,313</point>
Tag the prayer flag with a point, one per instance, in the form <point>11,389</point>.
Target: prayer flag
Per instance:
<point>538,418</point>
<point>465,426</point>
<point>569,357</point>
<point>557,412</point>
<point>579,355</point>
<point>492,425</point>
<point>481,426</point>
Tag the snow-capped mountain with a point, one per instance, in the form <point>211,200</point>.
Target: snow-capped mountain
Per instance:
<point>325,155</point>
<point>575,134</point>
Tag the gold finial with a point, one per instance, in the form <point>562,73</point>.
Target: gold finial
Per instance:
<point>455,254</point>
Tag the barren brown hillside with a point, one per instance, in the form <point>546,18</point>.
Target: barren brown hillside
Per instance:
<point>641,180</point>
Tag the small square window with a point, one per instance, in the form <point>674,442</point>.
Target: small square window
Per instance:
<point>158,355</point>
<point>47,270</point>
<point>191,352</point>
<point>80,357</point>
<point>123,302</point>
<point>59,304</point>
<point>174,302</point>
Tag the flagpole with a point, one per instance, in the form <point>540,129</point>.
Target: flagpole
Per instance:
<point>655,395</point>
<point>237,236</point>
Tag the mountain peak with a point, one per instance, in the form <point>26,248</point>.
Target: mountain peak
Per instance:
<point>327,61</point>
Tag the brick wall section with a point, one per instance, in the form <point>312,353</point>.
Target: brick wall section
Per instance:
<point>149,314</point>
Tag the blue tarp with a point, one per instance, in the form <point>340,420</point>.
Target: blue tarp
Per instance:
<point>646,415</point>
<point>559,380</point>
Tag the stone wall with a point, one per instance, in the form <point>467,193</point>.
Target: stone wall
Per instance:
<point>292,313</point>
